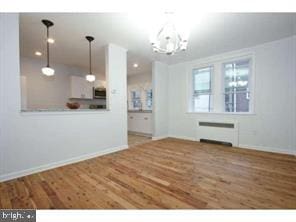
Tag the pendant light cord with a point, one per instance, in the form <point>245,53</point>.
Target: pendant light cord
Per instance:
<point>90,57</point>
<point>47,46</point>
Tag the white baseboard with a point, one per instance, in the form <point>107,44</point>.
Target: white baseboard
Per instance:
<point>45,167</point>
<point>243,146</point>
<point>267,149</point>
<point>184,138</point>
<point>159,137</point>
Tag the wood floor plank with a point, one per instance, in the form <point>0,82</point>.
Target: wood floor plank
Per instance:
<point>169,173</point>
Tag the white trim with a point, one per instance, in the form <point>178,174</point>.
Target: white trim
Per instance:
<point>159,137</point>
<point>251,59</point>
<point>242,146</point>
<point>184,138</point>
<point>65,112</point>
<point>57,164</point>
<point>217,63</point>
<point>267,149</point>
<point>139,133</point>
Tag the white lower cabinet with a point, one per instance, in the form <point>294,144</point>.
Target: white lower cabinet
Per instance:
<point>140,122</point>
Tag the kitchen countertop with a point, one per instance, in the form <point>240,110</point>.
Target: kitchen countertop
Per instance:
<point>140,111</point>
<point>76,110</point>
<point>61,110</point>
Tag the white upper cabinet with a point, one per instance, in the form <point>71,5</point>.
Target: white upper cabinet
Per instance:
<point>80,88</point>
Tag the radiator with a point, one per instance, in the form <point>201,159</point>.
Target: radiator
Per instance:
<point>218,131</point>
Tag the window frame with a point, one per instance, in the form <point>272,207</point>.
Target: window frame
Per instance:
<point>217,83</point>
<point>147,98</point>
<point>250,82</point>
<point>211,87</point>
<point>135,99</point>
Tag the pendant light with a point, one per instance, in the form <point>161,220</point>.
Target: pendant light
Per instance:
<point>48,71</point>
<point>90,77</point>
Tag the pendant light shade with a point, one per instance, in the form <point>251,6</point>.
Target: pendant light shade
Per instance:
<point>90,77</point>
<point>47,70</point>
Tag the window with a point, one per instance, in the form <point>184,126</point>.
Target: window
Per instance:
<point>149,99</point>
<point>136,99</point>
<point>236,86</point>
<point>201,100</point>
<point>222,86</point>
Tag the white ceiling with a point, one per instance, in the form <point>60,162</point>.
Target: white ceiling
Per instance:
<point>215,33</point>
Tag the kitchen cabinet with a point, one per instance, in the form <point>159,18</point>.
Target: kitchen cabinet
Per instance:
<point>80,88</point>
<point>140,122</point>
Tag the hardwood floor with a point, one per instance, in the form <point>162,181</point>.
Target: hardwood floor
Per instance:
<point>137,139</point>
<point>169,173</point>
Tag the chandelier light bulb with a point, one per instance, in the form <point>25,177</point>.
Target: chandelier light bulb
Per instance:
<point>183,46</point>
<point>155,50</point>
<point>170,47</point>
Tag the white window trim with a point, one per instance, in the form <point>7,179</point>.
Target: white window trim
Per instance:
<point>190,84</point>
<point>211,85</point>
<point>219,62</point>
<point>142,88</point>
<point>146,99</point>
<point>251,80</point>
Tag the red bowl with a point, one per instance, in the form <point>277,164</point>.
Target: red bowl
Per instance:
<point>73,105</point>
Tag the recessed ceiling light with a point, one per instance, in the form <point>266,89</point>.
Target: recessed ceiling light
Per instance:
<point>50,40</point>
<point>37,53</point>
<point>135,65</point>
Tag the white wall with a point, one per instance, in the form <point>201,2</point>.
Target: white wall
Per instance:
<point>116,63</point>
<point>272,127</point>
<point>160,83</point>
<point>139,78</point>
<point>37,141</point>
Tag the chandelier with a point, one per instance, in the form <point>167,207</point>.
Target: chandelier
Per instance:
<point>170,38</point>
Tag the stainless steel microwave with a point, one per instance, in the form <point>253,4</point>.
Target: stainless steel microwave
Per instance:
<point>99,93</point>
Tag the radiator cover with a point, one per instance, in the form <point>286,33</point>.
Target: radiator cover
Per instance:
<point>225,131</point>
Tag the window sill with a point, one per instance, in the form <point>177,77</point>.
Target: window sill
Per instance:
<point>223,113</point>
